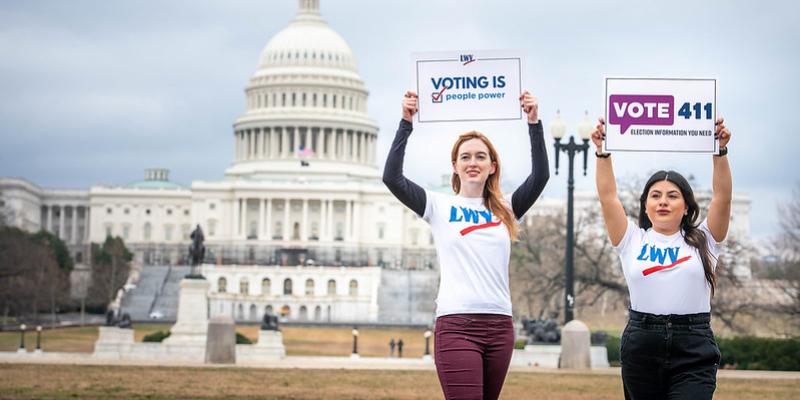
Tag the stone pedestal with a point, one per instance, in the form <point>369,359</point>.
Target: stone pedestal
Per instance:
<point>221,340</point>
<point>113,343</point>
<point>269,347</point>
<point>192,322</point>
<point>575,344</point>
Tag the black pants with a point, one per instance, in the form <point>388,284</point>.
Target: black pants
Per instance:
<point>669,357</point>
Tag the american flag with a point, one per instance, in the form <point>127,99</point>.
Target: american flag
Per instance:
<point>305,152</point>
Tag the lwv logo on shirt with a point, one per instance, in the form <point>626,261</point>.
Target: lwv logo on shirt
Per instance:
<point>469,215</point>
<point>659,255</point>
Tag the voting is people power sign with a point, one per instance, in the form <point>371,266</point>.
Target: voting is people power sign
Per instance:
<point>468,85</point>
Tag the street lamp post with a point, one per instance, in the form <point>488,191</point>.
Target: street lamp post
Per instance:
<point>38,339</point>
<point>22,338</point>
<point>427,344</point>
<point>557,130</point>
<point>355,343</point>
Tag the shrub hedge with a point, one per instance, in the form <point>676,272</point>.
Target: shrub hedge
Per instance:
<point>242,339</point>
<point>157,336</point>
<point>748,352</point>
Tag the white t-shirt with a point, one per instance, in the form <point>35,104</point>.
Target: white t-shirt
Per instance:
<point>473,247</point>
<point>664,273</point>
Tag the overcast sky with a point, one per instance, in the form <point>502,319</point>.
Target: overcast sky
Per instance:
<point>94,92</point>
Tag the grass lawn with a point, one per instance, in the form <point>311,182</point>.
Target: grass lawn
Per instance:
<point>298,340</point>
<point>104,382</point>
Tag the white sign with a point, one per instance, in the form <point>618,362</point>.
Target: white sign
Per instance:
<point>661,115</point>
<point>468,85</point>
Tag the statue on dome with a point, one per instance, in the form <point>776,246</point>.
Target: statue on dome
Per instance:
<point>197,251</point>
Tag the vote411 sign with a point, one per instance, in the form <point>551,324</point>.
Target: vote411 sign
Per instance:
<point>661,115</point>
<point>468,85</point>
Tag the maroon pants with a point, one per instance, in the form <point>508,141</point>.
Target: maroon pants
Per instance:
<point>472,354</point>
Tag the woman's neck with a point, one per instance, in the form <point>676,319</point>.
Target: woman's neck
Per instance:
<point>667,231</point>
<point>472,190</point>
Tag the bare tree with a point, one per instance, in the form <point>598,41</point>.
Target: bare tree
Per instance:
<point>787,250</point>
<point>110,269</point>
<point>31,278</point>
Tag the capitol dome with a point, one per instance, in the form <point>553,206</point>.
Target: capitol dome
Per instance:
<point>306,107</point>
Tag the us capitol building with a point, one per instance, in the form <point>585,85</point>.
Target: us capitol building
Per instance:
<point>301,223</point>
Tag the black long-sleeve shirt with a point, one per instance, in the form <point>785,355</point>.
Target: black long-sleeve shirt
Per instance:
<point>413,196</point>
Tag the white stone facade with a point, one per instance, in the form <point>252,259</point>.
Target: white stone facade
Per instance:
<point>310,293</point>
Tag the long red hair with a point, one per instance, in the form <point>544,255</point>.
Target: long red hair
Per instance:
<point>492,196</point>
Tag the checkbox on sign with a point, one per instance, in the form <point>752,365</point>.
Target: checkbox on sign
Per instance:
<point>436,97</point>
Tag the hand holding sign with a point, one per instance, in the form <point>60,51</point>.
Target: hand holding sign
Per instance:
<point>722,133</point>
<point>530,105</point>
<point>599,134</point>
<point>409,106</point>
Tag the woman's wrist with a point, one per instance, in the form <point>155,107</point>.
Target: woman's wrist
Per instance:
<point>599,154</point>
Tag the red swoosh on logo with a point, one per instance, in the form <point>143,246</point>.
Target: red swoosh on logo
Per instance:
<point>662,267</point>
<point>481,226</point>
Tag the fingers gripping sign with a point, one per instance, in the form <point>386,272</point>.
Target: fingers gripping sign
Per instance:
<point>722,133</point>
<point>599,135</point>
<point>410,105</point>
<point>530,105</point>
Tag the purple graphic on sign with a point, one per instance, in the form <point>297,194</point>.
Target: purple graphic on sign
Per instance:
<point>640,109</point>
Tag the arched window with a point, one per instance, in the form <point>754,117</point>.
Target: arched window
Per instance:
<point>244,286</point>
<point>331,287</point>
<point>240,313</point>
<point>222,285</point>
<point>309,287</point>
<point>317,313</point>
<point>253,316</point>
<point>147,230</point>
<point>268,310</point>
<point>266,286</point>
<point>353,287</point>
<point>303,313</point>
<point>287,287</point>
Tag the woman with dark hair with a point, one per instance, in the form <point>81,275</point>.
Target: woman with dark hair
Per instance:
<point>473,230</point>
<point>669,262</point>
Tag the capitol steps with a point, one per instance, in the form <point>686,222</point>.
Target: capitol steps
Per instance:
<point>138,301</point>
<point>167,300</point>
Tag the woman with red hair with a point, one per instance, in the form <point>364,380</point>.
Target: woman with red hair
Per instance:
<point>473,230</point>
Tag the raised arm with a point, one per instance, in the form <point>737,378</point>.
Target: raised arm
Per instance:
<point>525,195</point>
<point>719,211</point>
<point>408,192</point>
<point>613,212</point>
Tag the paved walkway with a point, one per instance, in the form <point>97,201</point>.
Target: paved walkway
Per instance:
<point>384,363</point>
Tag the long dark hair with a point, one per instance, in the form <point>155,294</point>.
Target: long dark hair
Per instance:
<point>693,236</point>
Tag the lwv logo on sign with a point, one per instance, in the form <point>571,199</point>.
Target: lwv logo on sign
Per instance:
<point>467,58</point>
